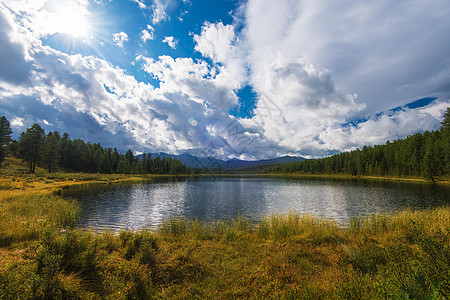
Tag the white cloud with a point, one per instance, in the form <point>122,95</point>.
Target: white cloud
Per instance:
<point>15,63</point>
<point>120,38</point>
<point>47,17</point>
<point>141,4</point>
<point>299,101</point>
<point>171,41</point>
<point>379,129</point>
<point>220,43</point>
<point>197,80</point>
<point>17,122</point>
<point>47,123</point>
<point>159,8</point>
<point>148,34</point>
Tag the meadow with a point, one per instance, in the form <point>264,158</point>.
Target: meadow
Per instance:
<point>44,256</point>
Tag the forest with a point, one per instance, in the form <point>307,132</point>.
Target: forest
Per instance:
<point>55,152</point>
<point>424,155</point>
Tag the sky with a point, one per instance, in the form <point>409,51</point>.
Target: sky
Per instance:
<point>249,79</point>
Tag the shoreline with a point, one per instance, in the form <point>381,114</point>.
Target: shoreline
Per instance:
<point>342,177</point>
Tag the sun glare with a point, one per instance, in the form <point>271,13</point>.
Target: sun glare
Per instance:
<point>70,22</point>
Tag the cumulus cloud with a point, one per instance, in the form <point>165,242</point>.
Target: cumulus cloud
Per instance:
<point>148,34</point>
<point>171,41</point>
<point>299,101</point>
<point>194,79</point>
<point>120,38</point>
<point>220,43</point>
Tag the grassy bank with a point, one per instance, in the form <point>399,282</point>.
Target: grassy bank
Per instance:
<point>42,256</point>
<point>402,256</point>
<point>442,180</point>
<point>30,205</point>
<point>15,179</point>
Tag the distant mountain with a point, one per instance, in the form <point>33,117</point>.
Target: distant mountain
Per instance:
<point>237,163</point>
<point>212,163</point>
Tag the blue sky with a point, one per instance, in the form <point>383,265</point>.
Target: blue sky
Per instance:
<point>261,78</point>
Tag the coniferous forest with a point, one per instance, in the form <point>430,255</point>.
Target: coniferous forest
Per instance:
<point>424,155</point>
<point>55,152</point>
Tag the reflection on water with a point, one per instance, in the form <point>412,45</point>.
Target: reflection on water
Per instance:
<point>213,198</point>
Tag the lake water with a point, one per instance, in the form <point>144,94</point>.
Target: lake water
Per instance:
<point>212,198</point>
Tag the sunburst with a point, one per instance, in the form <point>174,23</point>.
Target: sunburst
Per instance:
<point>69,21</point>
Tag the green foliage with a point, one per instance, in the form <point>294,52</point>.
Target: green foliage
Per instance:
<point>123,167</point>
<point>31,145</point>
<point>77,265</point>
<point>129,156</point>
<point>53,151</point>
<point>445,130</point>
<point>5,137</point>
<point>104,164</point>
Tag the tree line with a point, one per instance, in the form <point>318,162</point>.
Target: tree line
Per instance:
<point>424,155</point>
<point>53,152</point>
<point>420,155</point>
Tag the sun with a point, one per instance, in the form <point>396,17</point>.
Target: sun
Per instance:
<point>69,21</point>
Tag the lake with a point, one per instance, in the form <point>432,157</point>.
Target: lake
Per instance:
<point>137,206</point>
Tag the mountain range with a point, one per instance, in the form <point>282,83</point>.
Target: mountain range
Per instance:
<point>213,163</point>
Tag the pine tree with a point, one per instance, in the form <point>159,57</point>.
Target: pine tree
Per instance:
<point>5,137</point>
<point>31,144</point>
<point>52,150</point>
